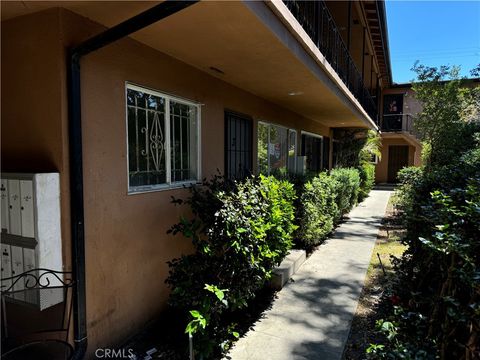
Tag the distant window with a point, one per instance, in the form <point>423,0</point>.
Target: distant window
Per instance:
<point>326,153</point>
<point>312,149</point>
<point>276,149</point>
<point>163,140</point>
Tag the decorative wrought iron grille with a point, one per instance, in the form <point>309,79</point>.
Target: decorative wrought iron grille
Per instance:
<point>160,151</point>
<point>146,138</point>
<point>182,124</point>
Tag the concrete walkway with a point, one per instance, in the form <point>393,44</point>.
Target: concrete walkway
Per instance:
<point>311,317</point>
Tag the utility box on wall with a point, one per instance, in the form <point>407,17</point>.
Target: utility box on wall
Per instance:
<point>31,234</point>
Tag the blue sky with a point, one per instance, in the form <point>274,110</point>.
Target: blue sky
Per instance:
<point>434,32</point>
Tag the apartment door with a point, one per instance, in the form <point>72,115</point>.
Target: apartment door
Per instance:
<point>238,145</point>
<point>397,159</point>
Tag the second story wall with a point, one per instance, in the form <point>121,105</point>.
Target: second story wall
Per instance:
<point>410,104</point>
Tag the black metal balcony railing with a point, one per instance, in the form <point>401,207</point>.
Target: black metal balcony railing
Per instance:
<point>318,23</point>
<point>397,123</point>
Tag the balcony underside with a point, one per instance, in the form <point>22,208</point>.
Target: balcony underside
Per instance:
<point>259,56</point>
<point>408,137</point>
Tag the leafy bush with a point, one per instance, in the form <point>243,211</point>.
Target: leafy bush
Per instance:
<point>317,210</point>
<point>240,231</point>
<point>450,113</point>
<point>439,281</point>
<point>347,189</point>
<point>438,278</point>
<point>356,147</point>
<point>367,179</point>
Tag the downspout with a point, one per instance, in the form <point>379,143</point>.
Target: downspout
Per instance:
<point>105,38</point>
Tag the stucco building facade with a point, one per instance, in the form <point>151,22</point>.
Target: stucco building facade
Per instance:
<point>168,105</point>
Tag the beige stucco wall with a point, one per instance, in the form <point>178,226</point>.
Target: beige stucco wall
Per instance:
<point>33,130</point>
<point>126,242</point>
<point>410,104</point>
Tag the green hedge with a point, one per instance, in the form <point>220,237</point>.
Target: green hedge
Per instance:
<point>240,232</point>
<point>317,210</point>
<point>367,179</point>
<point>322,202</point>
<point>348,187</point>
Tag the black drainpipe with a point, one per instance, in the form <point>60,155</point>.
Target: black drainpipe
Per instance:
<point>107,37</point>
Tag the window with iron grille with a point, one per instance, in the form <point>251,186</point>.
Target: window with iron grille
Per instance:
<point>312,149</point>
<point>163,140</point>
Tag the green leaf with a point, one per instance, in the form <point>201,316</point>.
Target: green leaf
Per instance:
<point>219,293</point>
<point>195,313</point>
<point>191,328</point>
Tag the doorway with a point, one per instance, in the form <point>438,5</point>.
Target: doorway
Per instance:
<point>397,159</point>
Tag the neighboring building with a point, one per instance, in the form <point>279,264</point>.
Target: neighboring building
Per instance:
<point>400,146</point>
<point>234,86</point>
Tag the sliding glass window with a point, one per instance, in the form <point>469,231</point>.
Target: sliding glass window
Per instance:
<point>163,140</point>
<point>276,149</point>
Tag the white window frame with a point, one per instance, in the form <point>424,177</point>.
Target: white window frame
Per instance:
<point>132,190</point>
<point>268,123</point>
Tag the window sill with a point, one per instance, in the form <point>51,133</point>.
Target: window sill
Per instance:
<point>164,187</point>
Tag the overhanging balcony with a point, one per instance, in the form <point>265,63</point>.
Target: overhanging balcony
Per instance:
<point>399,126</point>
<point>397,123</point>
<point>318,23</point>
<point>256,46</point>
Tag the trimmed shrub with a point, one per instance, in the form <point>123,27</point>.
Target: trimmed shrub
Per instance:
<point>348,185</point>
<point>316,211</point>
<point>367,179</point>
<point>240,232</point>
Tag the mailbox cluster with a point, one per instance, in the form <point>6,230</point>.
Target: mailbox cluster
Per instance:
<point>30,232</point>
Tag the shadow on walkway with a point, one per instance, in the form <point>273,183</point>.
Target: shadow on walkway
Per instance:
<point>312,315</point>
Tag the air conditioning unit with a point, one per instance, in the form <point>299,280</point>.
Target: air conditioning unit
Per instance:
<point>31,233</point>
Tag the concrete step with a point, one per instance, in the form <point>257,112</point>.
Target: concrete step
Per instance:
<point>289,266</point>
<point>385,186</point>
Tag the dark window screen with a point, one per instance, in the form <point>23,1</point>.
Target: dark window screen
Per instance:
<point>238,146</point>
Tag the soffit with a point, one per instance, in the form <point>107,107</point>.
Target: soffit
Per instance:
<point>226,36</point>
<point>376,24</point>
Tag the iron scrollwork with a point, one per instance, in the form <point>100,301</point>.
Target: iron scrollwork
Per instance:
<point>38,279</point>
